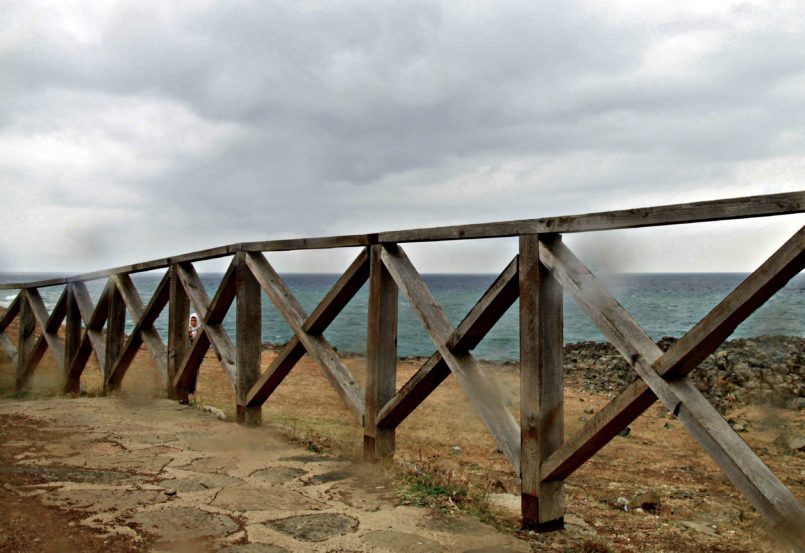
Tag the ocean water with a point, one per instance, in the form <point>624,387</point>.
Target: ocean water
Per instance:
<point>664,304</point>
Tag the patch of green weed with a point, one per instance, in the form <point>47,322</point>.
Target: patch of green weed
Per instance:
<point>445,492</point>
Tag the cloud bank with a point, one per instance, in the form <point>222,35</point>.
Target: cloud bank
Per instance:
<point>137,130</point>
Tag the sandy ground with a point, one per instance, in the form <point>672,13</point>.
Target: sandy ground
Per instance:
<point>696,506</point>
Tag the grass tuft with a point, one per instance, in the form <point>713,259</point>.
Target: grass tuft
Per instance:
<point>425,489</point>
<point>446,492</point>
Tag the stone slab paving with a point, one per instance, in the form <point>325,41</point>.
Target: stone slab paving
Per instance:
<point>182,480</point>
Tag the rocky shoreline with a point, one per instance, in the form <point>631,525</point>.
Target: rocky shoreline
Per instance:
<point>762,370</point>
<point>744,371</point>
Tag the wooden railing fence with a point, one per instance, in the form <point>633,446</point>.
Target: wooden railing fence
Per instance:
<point>537,276</point>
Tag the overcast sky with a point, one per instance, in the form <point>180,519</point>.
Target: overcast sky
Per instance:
<point>136,130</point>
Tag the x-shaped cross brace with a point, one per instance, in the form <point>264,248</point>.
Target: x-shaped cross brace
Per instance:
<point>49,339</point>
<point>663,376</point>
<point>482,392</point>
<point>144,331</point>
<point>212,331</point>
<point>308,332</point>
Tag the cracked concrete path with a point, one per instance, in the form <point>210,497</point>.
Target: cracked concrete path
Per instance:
<point>174,478</point>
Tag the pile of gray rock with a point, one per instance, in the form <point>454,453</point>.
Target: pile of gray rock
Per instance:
<point>766,369</point>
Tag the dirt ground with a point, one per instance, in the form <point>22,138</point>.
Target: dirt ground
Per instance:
<point>117,474</point>
<point>687,503</point>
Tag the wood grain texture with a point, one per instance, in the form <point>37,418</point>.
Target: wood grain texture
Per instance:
<point>482,392</point>
<point>339,295</point>
<point>34,358</point>
<point>492,305</point>
<point>212,314</point>
<point>316,345</point>
<point>743,467</point>
<point>381,357</point>
<point>416,389</point>
<point>249,340</point>
<point>683,355</point>
<point>8,348</point>
<point>185,379</point>
<point>325,313</point>
<point>178,332</point>
<point>144,323</point>
<point>275,373</point>
<point>35,284</point>
<point>324,242</point>
<point>11,312</point>
<point>715,210</point>
<point>541,387</point>
<point>115,334</point>
<point>72,339</point>
<point>6,344</point>
<point>49,323</point>
<point>49,338</point>
<point>25,341</point>
<point>703,339</point>
<point>143,331</point>
<point>94,339</point>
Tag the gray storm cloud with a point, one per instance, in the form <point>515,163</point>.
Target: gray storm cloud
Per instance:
<point>147,129</point>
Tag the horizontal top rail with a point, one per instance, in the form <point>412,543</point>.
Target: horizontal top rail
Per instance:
<point>673,214</point>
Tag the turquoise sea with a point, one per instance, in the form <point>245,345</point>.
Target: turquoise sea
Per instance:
<point>666,304</point>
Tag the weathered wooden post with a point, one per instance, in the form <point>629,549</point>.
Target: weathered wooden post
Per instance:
<point>115,334</point>
<point>381,357</point>
<point>249,340</point>
<point>25,340</point>
<point>178,329</point>
<point>72,340</point>
<point>541,386</point>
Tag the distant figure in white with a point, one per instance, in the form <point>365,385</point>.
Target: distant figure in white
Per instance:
<point>194,327</point>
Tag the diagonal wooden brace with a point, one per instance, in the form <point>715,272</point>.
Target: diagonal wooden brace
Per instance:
<point>743,467</point>
<point>482,392</point>
<point>316,345</point>
<point>685,354</point>
<point>49,323</point>
<point>25,342</point>
<point>72,339</point>
<point>94,338</point>
<point>144,331</point>
<point>11,312</point>
<point>479,321</point>
<point>328,309</point>
<point>185,378</point>
<point>6,345</point>
<point>115,334</point>
<point>212,331</point>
